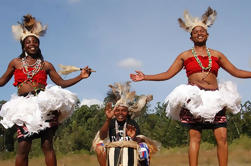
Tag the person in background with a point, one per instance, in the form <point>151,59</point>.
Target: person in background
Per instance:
<point>120,127</point>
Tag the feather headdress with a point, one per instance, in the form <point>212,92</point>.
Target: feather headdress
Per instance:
<point>28,27</point>
<point>124,97</point>
<point>205,21</point>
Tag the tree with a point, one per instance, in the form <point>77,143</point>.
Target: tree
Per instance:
<point>246,118</point>
<point>78,132</point>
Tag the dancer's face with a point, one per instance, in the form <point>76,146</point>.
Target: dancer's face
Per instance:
<point>31,45</point>
<point>121,113</point>
<point>199,35</point>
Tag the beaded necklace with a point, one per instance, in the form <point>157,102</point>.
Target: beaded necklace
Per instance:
<point>36,67</point>
<point>117,130</point>
<point>200,63</point>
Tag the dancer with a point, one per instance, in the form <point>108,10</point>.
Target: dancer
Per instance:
<point>203,102</point>
<point>38,108</point>
<point>122,130</point>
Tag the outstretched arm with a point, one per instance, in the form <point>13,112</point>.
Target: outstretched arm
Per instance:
<point>231,69</point>
<point>57,79</point>
<point>109,112</point>
<point>172,71</point>
<point>8,73</point>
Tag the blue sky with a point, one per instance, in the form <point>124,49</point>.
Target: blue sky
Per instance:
<point>115,37</point>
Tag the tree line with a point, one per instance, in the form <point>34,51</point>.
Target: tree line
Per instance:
<point>76,133</point>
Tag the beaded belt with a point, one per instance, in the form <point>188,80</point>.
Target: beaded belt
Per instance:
<point>34,92</point>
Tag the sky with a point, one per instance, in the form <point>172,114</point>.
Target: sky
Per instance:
<point>117,37</point>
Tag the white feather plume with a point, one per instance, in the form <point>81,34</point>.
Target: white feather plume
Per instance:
<point>67,69</point>
<point>17,31</point>
<point>188,18</point>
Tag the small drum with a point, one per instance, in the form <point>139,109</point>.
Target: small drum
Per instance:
<point>122,153</point>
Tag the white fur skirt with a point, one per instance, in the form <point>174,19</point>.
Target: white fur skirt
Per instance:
<point>203,103</point>
<point>32,111</point>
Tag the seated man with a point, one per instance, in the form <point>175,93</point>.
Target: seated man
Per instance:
<point>119,127</point>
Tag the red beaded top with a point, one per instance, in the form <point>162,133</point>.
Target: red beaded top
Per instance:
<point>192,66</point>
<point>20,77</point>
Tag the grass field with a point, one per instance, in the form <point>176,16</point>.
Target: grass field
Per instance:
<point>239,155</point>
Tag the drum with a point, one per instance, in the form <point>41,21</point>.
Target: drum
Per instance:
<point>122,153</point>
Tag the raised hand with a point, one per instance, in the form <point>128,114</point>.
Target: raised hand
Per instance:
<point>137,77</point>
<point>130,131</point>
<point>86,72</point>
<point>109,112</point>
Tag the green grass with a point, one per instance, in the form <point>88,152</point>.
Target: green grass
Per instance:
<point>239,155</point>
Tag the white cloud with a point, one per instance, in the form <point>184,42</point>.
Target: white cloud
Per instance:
<point>90,102</point>
<point>130,63</point>
<point>73,1</point>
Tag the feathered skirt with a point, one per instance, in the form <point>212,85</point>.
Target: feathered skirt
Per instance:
<point>203,104</point>
<point>35,111</point>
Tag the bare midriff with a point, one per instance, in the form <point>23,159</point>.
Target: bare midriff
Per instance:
<point>28,86</point>
<point>204,80</point>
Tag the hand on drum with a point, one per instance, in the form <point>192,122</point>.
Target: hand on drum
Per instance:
<point>131,131</point>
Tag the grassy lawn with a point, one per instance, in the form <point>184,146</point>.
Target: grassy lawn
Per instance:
<point>239,155</point>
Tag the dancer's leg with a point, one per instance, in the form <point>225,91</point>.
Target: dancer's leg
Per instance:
<point>47,147</point>
<point>222,147</point>
<point>23,149</point>
<point>194,146</point>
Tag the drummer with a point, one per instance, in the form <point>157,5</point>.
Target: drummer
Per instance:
<point>119,126</point>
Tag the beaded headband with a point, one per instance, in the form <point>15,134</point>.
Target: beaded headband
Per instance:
<point>205,21</point>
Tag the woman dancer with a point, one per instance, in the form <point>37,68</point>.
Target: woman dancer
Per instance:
<point>37,109</point>
<point>203,102</point>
